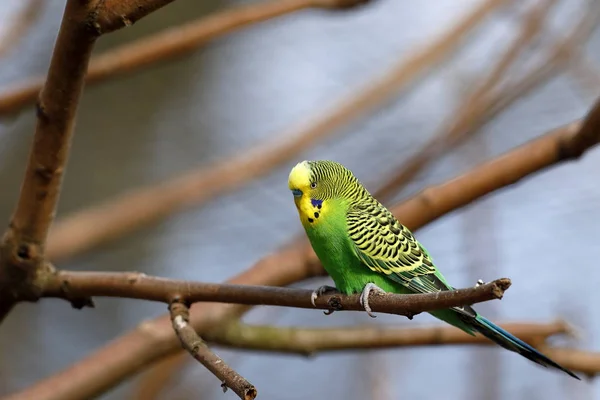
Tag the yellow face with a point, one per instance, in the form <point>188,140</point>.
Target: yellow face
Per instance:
<point>299,182</point>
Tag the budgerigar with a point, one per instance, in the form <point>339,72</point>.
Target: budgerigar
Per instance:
<point>364,248</point>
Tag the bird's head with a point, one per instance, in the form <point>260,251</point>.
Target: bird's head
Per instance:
<point>319,181</point>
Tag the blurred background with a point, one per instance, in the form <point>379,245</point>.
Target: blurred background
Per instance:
<point>251,87</point>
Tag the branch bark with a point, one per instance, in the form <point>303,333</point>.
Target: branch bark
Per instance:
<point>23,245</point>
<point>310,341</point>
<point>180,316</point>
<point>69,284</point>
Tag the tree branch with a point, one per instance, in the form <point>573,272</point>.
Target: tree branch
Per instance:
<point>309,341</point>
<point>193,344</point>
<point>23,245</point>
<point>166,45</point>
<point>69,284</point>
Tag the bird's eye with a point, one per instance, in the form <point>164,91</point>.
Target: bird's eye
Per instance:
<point>313,185</point>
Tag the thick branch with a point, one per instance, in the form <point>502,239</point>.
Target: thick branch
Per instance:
<point>67,284</point>
<point>22,247</point>
<point>180,318</point>
<point>310,341</point>
<point>136,209</point>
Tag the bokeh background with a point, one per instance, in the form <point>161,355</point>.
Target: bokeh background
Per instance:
<point>248,87</point>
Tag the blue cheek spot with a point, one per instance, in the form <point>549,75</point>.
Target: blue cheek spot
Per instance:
<point>316,203</point>
<point>297,192</point>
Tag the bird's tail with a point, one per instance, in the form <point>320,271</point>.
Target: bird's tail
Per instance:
<point>512,343</point>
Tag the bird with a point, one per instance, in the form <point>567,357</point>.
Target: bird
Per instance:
<point>364,249</point>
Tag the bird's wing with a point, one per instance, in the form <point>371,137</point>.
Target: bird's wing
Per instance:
<point>387,247</point>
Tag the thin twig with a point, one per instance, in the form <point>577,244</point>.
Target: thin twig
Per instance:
<point>22,247</point>
<point>180,318</point>
<point>166,45</point>
<point>310,341</point>
<point>19,25</point>
<point>133,210</point>
<point>68,284</point>
<point>153,340</point>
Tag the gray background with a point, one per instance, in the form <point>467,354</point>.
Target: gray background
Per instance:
<point>246,87</point>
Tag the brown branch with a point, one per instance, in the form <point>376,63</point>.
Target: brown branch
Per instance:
<point>22,247</point>
<point>166,45</point>
<point>310,341</point>
<point>69,284</point>
<point>19,25</point>
<point>154,340</point>
<point>131,211</point>
<point>193,344</point>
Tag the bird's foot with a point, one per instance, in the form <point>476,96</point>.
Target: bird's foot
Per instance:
<point>364,296</point>
<point>322,290</point>
<point>479,282</point>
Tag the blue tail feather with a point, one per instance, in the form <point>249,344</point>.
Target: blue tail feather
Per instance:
<point>512,343</point>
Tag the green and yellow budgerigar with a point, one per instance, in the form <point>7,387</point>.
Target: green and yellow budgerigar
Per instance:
<point>364,248</point>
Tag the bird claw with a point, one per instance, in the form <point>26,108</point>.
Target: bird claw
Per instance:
<point>364,297</point>
<point>320,291</point>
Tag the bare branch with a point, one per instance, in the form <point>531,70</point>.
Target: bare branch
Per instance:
<point>310,341</point>
<point>20,24</point>
<point>131,211</point>
<point>23,244</point>
<point>180,318</point>
<point>166,45</point>
<point>69,284</point>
